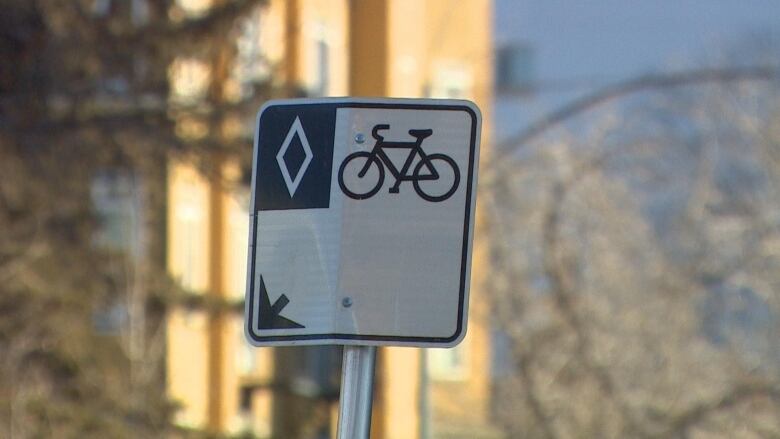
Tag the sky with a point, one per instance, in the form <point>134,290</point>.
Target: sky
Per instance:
<point>580,44</point>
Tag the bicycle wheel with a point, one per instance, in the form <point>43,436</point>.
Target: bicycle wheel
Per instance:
<point>442,187</point>
<point>360,187</point>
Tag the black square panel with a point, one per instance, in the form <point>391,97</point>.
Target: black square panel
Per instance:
<point>295,157</point>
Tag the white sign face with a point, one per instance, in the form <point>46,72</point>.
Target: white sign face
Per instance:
<point>361,222</point>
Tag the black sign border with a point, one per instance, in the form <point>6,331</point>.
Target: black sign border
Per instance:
<point>328,339</point>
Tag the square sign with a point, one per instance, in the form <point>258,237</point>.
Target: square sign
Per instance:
<point>361,220</point>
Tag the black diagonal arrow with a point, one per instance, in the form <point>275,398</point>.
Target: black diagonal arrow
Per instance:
<point>269,317</point>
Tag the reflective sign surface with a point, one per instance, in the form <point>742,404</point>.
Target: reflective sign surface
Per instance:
<point>362,215</point>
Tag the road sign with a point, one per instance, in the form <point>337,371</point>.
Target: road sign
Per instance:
<point>361,222</point>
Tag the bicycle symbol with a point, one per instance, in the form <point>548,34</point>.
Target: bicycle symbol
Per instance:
<point>365,171</point>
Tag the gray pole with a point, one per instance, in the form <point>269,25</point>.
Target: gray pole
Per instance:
<point>424,397</point>
<point>357,392</point>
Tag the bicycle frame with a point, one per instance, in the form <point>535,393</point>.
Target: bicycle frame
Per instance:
<point>415,148</point>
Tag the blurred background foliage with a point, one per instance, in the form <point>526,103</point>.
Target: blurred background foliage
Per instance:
<point>636,252</point>
<point>634,235</point>
<point>88,115</point>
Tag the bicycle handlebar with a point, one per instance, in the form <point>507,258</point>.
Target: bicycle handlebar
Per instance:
<point>375,132</point>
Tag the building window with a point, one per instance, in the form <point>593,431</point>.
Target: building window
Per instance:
<point>318,65</point>
<point>449,364</point>
<point>451,81</point>
<point>188,227</point>
<point>252,64</point>
<point>245,399</point>
<point>194,8</point>
<point>246,362</point>
<point>116,203</point>
<point>322,85</point>
<point>115,200</point>
<point>110,319</point>
<point>190,79</point>
<point>236,242</point>
<point>514,70</point>
<point>101,8</point>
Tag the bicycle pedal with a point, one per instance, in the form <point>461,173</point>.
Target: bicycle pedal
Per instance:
<point>394,190</point>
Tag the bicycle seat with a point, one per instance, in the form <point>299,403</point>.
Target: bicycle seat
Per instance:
<point>421,134</point>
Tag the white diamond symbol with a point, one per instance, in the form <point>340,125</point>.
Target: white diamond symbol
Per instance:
<point>292,183</point>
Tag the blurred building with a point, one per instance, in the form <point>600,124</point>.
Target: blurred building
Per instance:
<point>430,48</point>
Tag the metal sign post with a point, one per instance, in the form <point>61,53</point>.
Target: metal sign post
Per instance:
<point>357,392</point>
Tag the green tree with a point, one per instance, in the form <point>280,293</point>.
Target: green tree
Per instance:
<point>86,101</point>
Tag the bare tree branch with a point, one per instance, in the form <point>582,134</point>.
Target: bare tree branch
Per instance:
<point>633,85</point>
<point>532,399</point>
<point>558,268</point>
<point>682,422</point>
